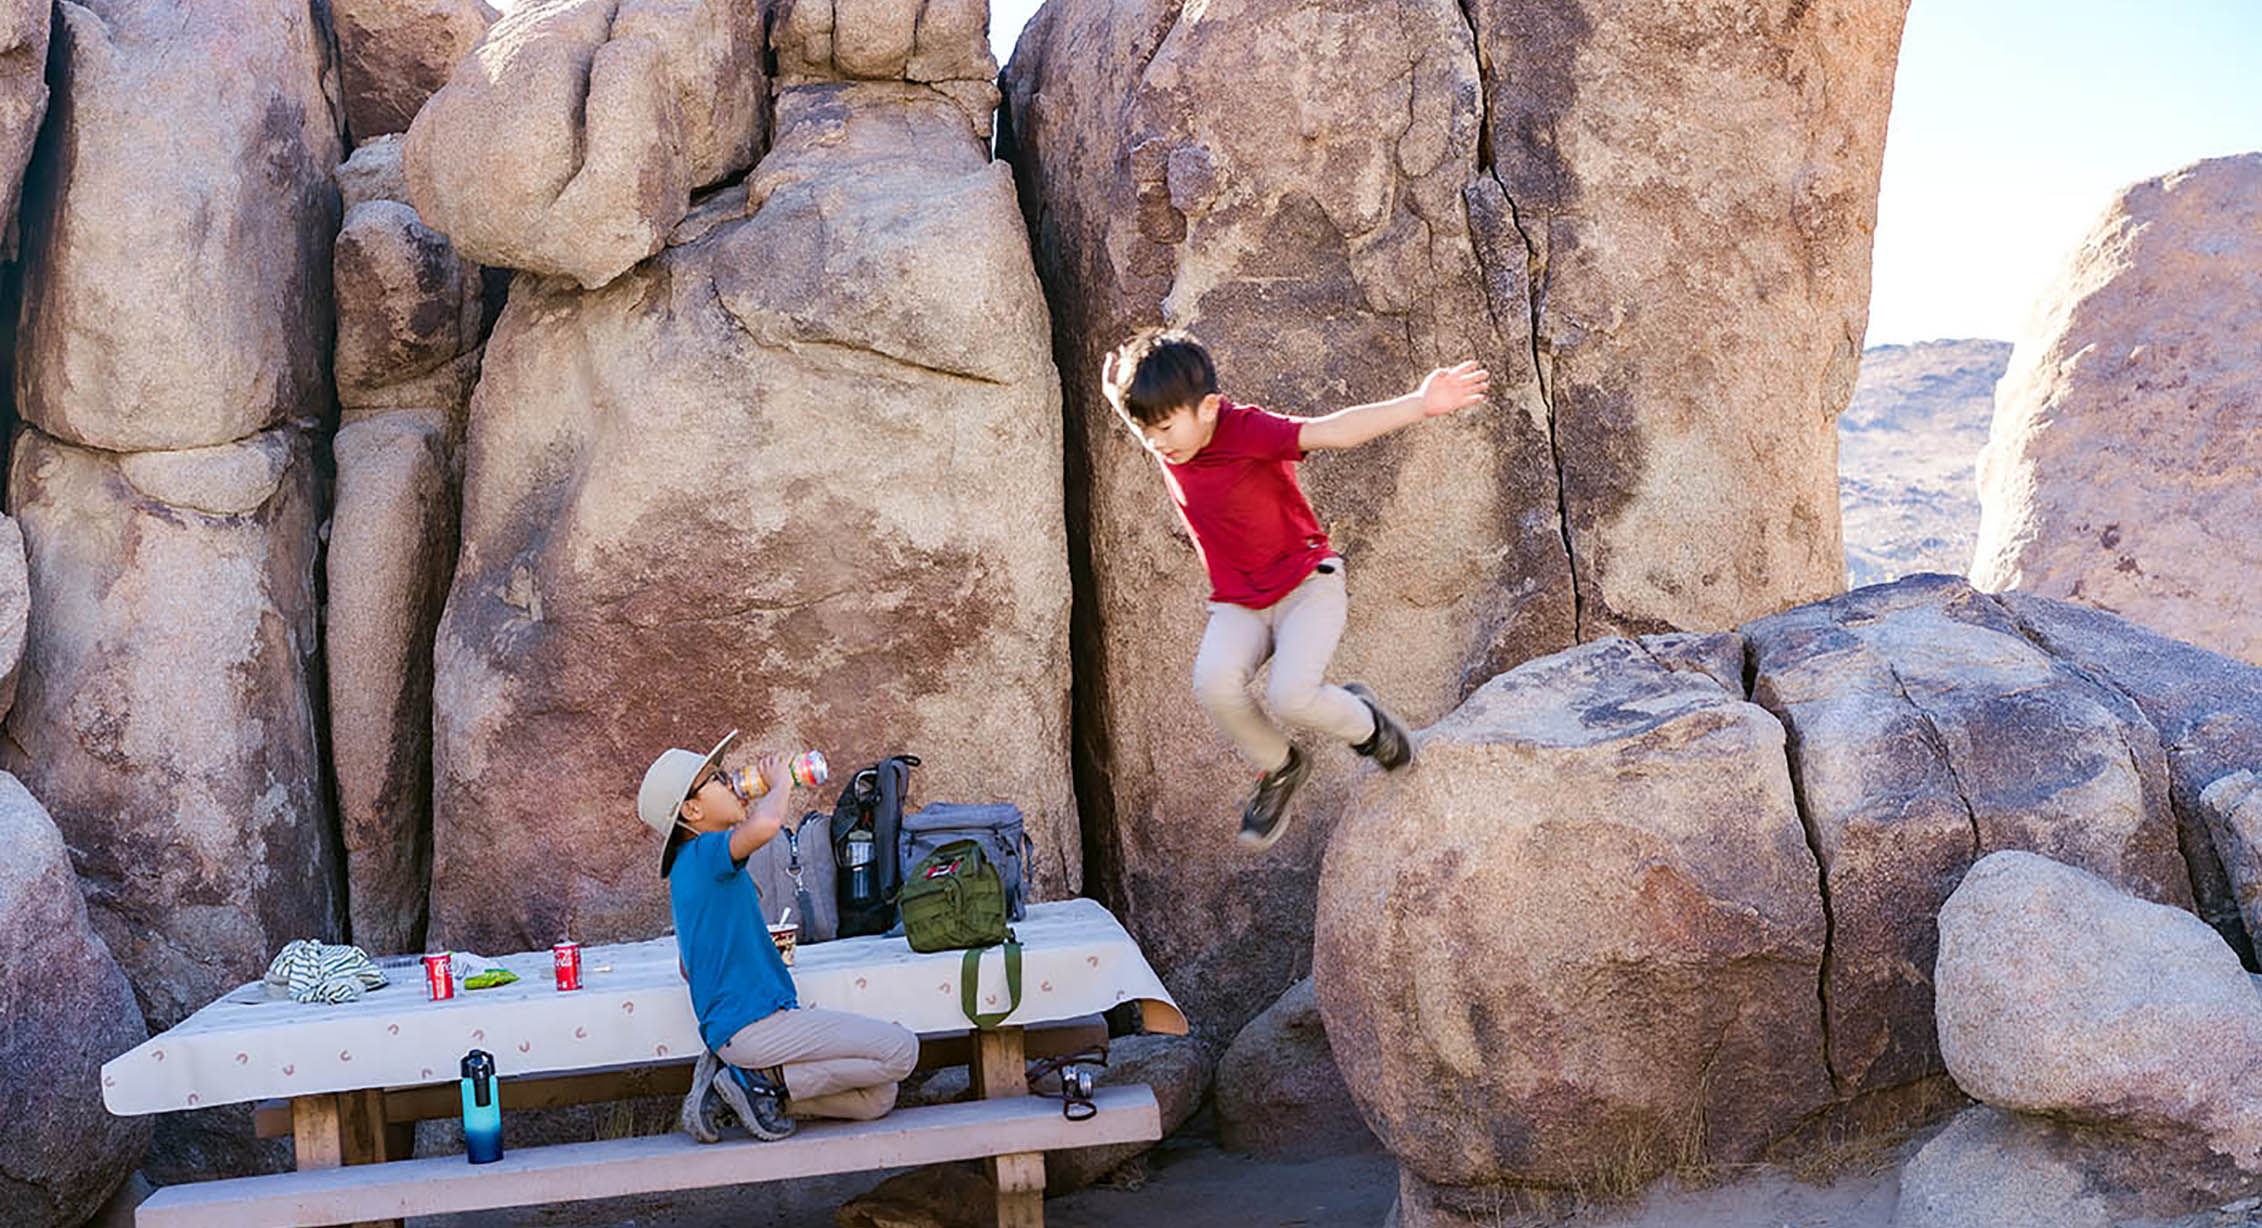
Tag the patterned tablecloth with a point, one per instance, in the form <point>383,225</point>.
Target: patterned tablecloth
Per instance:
<point>255,1043</point>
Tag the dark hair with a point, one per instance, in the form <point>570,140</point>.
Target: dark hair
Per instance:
<point>1158,373</point>
<point>671,848</point>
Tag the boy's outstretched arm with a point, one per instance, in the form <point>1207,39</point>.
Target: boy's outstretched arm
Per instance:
<point>768,812</point>
<point>1444,391</point>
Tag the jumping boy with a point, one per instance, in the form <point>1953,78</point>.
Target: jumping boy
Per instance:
<point>782,1060</point>
<point>1276,586</point>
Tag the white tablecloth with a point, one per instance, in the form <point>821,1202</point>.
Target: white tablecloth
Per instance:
<point>254,1044</point>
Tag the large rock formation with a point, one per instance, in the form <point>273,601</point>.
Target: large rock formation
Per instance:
<point>164,703</point>
<point>1582,937</point>
<point>24,26</point>
<point>2123,468</point>
<point>1925,731</point>
<point>1278,1090</point>
<point>198,140</point>
<point>571,138</point>
<point>1906,444</point>
<point>15,609</point>
<point>1199,165</point>
<point>1569,944</point>
<point>411,319</point>
<point>2094,1025</point>
<point>69,1010</point>
<point>394,54</point>
<point>800,475</point>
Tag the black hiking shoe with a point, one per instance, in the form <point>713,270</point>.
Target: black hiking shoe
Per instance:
<point>758,1102</point>
<point>1389,744</point>
<point>1265,818</point>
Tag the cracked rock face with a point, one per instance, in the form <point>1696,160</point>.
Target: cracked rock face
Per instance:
<point>1530,188</point>
<point>69,1010</point>
<point>164,702</point>
<point>2061,995</point>
<point>799,475</point>
<point>216,122</point>
<point>570,140</point>
<point>2124,458</point>
<point>24,27</point>
<point>411,316</point>
<point>1583,934</point>
<point>1927,731</point>
<point>1577,929</point>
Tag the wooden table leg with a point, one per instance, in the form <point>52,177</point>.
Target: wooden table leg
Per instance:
<point>340,1128</point>
<point>1000,1069</point>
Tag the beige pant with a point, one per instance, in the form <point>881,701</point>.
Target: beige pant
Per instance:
<point>836,1064</point>
<point>1299,633</point>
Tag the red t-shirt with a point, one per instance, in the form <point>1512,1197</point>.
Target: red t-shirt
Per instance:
<point>1251,524</point>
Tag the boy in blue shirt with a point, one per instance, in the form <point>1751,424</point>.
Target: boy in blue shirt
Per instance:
<point>783,1060</point>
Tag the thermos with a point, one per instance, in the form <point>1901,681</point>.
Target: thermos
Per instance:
<point>859,872</point>
<point>482,1108</point>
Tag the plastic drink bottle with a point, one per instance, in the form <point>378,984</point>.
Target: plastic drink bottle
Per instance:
<point>808,768</point>
<point>482,1108</point>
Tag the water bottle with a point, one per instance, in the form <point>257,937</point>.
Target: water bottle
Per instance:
<point>482,1108</point>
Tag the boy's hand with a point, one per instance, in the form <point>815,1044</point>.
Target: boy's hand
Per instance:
<point>777,773</point>
<point>1451,388</point>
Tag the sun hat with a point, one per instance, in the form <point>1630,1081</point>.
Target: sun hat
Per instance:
<point>668,781</point>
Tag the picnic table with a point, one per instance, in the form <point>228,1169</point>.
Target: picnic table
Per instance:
<point>356,1076</point>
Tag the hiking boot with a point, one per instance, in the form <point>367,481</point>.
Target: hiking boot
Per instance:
<point>697,1117</point>
<point>1389,745</point>
<point>758,1101</point>
<point>1265,818</point>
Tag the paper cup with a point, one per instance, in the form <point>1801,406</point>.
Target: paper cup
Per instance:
<point>787,937</point>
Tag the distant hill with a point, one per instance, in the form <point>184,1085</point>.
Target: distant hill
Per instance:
<point>1906,445</point>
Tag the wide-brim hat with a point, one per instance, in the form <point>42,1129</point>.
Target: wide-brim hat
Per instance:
<point>659,800</point>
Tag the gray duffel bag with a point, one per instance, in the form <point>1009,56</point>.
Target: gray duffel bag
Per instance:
<point>996,825</point>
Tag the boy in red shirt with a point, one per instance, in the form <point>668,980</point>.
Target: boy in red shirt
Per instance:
<point>1276,585</point>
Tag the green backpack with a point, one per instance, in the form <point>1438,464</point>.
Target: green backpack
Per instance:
<point>954,899</point>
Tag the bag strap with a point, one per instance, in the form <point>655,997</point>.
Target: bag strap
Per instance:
<point>969,977</point>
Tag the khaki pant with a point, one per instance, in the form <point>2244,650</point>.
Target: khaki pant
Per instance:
<point>1299,633</point>
<point>836,1064</point>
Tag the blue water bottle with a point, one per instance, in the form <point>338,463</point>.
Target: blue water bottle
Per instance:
<point>482,1108</point>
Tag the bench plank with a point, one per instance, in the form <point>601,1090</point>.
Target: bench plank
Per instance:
<point>569,1172</point>
<point>272,1119</point>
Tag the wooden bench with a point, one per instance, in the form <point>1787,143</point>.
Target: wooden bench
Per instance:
<point>399,1107</point>
<point>566,1172</point>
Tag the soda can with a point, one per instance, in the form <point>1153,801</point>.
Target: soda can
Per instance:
<point>439,977</point>
<point>808,769</point>
<point>567,957</point>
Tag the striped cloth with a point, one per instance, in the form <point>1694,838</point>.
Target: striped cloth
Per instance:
<point>324,972</point>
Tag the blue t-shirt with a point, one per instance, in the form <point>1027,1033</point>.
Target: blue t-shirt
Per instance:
<point>736,974</point>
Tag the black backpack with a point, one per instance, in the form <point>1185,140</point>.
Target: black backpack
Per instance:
<point>871,803</point>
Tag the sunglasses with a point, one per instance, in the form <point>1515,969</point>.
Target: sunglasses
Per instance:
<point>710,778</point>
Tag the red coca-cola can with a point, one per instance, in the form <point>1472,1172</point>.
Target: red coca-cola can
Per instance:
<point>567,957</point>
<point>439,976</point>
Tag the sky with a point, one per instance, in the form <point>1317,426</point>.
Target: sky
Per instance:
<point>2015,122</point>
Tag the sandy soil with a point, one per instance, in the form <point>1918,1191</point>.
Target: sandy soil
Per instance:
<point>1189,1183</point>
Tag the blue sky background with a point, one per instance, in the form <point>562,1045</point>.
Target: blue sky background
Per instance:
<point>2014,124</point>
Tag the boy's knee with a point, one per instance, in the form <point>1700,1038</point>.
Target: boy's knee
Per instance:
<point>1292,701</point>
<point>1218,686</point>
<point>903,1057</point>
